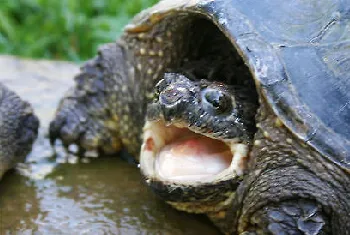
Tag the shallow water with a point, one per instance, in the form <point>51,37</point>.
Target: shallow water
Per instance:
<point>59,194</point>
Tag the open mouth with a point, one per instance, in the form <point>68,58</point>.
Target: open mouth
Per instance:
<point>196,162</point>
<point>176,154</point>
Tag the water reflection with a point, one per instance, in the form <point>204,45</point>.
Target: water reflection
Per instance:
<point>18,203</point>
<point>93,196</point>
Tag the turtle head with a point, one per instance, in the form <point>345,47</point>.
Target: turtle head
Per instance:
<point>195,138</point>
<point>204,107</point>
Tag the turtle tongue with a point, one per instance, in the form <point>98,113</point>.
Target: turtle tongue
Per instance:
<point>193,158</point>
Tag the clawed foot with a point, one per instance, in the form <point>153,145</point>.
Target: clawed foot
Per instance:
<point>77,122</point>
<point>83,116</point>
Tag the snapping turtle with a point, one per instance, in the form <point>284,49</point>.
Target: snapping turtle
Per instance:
<point>287,175</point>
<point>18,129</point>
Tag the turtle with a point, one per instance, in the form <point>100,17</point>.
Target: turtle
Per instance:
<point>18,129</point>
<point>260,85</point>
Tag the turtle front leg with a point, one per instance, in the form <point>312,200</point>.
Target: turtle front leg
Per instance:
<point>88,115</point>
<point>291,189</point>
<point>18,129</point>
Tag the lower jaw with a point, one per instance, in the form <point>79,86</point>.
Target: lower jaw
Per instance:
<point>215,200</point>
<point>197,198</point>
<point>206,196</point>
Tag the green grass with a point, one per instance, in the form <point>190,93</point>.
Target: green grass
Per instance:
<point>63,29</point>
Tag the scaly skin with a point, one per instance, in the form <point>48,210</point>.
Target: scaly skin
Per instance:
<point>312,197</point>
<point>86,116</point>
<point>18,129</point>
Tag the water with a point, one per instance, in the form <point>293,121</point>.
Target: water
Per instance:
<point>59,194</point>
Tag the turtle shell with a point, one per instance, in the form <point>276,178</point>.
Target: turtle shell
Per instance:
<point>298,52</point>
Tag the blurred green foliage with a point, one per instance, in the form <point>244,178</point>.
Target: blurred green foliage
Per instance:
<point>63,29</point>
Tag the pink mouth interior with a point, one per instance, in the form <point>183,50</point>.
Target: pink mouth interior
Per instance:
<point>192,157</point>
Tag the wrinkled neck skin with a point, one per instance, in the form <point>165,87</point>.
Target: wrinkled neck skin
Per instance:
<point>289,187</point>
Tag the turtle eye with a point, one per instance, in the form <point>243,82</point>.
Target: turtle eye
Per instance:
<point>218,101</point>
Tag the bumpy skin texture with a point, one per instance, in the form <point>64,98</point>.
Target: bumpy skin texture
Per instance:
<point>290,188</point>
<point>106,109</point>
<point>18,129</point>
<point>86,115</point>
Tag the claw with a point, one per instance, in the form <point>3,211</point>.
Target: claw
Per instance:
<point>83,113</point>
<point>54,130</point>
<point>75,126</point>
<point>73,148</point>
